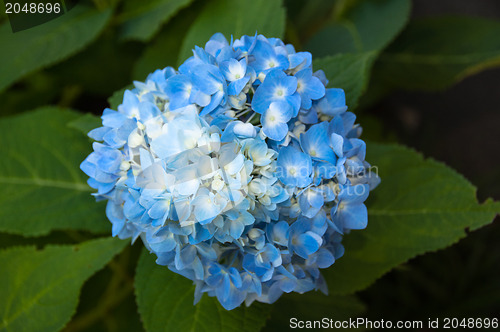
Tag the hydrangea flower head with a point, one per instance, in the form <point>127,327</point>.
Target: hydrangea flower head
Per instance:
<point>240,171</point>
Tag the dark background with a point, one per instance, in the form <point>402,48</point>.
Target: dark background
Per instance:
<point>461,127</point>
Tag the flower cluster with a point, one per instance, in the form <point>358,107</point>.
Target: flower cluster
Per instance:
<point>241,171</point>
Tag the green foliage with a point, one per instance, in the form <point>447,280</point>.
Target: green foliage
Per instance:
<point>106,56</point>
<point>160,54</point>
<point>420,206</point>
<point>46,44</point>
<point>349,72</point>
<point>42,188</point>
<point>40,288</point>
<point>234,18</point>
<point>142,19</point>
<point>447,283</point>
<point>164,50</point>
<point>165,301</point>
<point>38,87</point>
<point>435,53</point>
<point>351,43</point>
<point>86,123</point>
<point>307,16</point>
<point>107,301</point>
<point>359,30</point>
<point>56,237</point>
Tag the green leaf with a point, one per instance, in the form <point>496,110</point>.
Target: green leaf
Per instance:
<point>366,26</point>
<point>161,53</point>
<point>420,206</point>
<point>349,72</point>
<point>143,19</point>
<point>40,288</point>
<point>432,54</point>
<point>306,16</point>
<point>97,70</point>
<point>234,18</point>
<point>165,301</point>
<point>48,43</point>
<point>57,237</point>
<point>42,187</point>
<point>37,89</point>
<point>164,50</point>
<point>356,39</point>
<point>107,300</point>
<point>86,123</point>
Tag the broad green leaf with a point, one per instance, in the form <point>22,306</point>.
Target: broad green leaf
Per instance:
<point>455,282</point>
<point>37,89</point>
<point>3,16</point>
<point>42,187</point>
<point>349,72</point>
<point>420,206</point>
<point>164,50</point>
<point>107,300</point>
<point>301,14</point>
<point>99,70</point>
<point>57,237</point>
<point>435,53</point>
<point>40,288</point>
<point>165,301</point>
<point>143,19</point>
<point>356,38</point>
<point>374,129</point>
<point>234,18</point>
<point>365,26</point>
<point>29,50</point>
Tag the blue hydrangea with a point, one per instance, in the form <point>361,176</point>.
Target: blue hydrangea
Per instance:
<point>240,171</point>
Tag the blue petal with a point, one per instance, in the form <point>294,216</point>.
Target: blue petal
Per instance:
<point>244,130</point>
<point>337,143</point>
<point>300,58</point>
<point>315,142</point>
<point>287,285</point>
<point>309,116</point>
<point>354,194</point>
<point>97,134</point>
<point>159,209</point>
<point>294,167</point>
<point>276,132</point>
<point>276,86</point>
<point>332,104</point>
<point>307,244</point>
<point>112,119</point>
<point>279,233</point>
<point>177,88</point>
<point>324,258</point>
<point>236,229</point>
<point>353,216</point>
<point>237,86</point>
